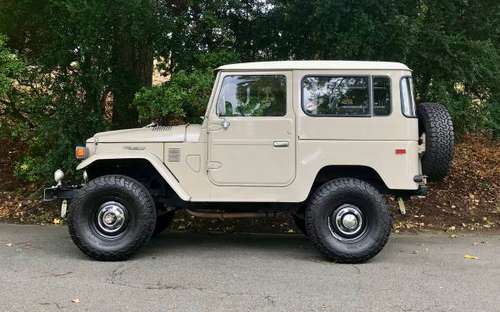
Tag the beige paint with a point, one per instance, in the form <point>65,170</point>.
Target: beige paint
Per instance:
<point>152,158</point>
<point>242,164</point>
<point>237,154</point>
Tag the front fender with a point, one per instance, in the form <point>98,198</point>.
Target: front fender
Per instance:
<point>155,162</point>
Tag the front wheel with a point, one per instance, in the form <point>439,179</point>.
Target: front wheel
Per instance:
<point>111,217</point>
<point>348,220</point>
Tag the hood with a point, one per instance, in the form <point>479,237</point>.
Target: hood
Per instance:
<point>183,133</point>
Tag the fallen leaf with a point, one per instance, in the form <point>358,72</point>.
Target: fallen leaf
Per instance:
<point>470,257</point>
<point>76,300</point>
<point>56,221</point>
<point>453,236</point>
<point>8,245</point>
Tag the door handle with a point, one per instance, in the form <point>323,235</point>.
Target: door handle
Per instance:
<point>280,143</point>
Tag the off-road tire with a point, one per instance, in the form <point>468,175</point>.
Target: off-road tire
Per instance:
<point>435,121</point>
<point>163,222</point>
<point>141,214</point>
<point>332,195</point>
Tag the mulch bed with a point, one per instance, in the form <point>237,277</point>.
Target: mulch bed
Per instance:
<point>467,200</point>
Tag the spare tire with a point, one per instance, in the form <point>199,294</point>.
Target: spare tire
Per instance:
<point>436,132</point>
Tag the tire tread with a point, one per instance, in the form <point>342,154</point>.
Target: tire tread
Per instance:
<point>147,214</point>
<point>346,184</point>
<point>436,122</point>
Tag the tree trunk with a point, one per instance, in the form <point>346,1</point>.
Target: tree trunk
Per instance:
<point>132,69</point>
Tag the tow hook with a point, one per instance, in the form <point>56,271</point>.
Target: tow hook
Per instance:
<point>64,208</point>
<point>421,180</point>
<point>401,204</point>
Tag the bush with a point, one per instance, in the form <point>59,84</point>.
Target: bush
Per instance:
<point>493,122</point>
<point>185,96</point>
<point>45,114</point>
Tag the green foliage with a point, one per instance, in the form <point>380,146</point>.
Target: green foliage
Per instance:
<point>185,96</point>
<point>43,112</point>
<point>74,67</point>
<point>80,54</point>
<point>493,122</point>
<point>10,68</point>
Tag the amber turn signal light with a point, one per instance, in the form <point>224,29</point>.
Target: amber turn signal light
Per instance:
<point>80,152</point>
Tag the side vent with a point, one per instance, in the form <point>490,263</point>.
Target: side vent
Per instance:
<point>174,154</point>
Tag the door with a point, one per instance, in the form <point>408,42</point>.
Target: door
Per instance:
<point>251,130</point>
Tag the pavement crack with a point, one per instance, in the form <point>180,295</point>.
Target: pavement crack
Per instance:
<point>160,286</point>
<point>116,278</point>
<point>57,305</point>
<point>56,275</point>
<point>358,270</point>
<point>270,300</point>
<point>116,274</point>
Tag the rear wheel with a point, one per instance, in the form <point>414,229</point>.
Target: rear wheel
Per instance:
<point>348,220</point>
<point>111,217</point>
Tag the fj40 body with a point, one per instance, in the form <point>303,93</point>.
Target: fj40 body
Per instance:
<point>324,141</point>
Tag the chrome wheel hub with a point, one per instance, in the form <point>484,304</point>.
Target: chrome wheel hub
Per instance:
<point>347,222</point>
<point>111,218</point>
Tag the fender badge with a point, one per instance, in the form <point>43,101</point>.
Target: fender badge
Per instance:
<point>134,148</point>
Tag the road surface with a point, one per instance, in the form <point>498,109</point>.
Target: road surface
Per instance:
<point>41,270</point>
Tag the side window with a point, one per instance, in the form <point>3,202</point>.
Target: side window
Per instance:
<point>381,96</point>
<point>407,97</point>
<point>252,95</point>
<point>338,96</point>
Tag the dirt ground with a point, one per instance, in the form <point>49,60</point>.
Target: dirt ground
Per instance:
<point>467,200</point>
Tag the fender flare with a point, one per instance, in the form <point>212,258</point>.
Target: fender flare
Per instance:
<point>155,162</point>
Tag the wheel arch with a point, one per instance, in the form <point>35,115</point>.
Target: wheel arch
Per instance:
<point>365,173</point>
<point>99,165</point>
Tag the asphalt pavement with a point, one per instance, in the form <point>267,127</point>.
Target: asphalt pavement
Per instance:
<point>41,270</point>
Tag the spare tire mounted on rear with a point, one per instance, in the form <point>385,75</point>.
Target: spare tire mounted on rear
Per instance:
<point>436,133</point>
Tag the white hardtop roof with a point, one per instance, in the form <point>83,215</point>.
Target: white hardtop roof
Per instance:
<point>289,65</point>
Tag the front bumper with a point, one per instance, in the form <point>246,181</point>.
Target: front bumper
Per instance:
<point>64,192</point>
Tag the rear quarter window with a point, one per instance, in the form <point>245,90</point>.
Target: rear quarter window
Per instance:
<point>381,96</point>
<point>336,96</point>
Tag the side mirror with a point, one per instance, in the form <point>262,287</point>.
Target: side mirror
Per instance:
<point>225,123</point>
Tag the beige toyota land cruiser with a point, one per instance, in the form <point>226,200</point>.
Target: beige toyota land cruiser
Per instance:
<point>325,141</point>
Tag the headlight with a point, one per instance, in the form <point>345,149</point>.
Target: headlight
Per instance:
<point>58,176</point>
